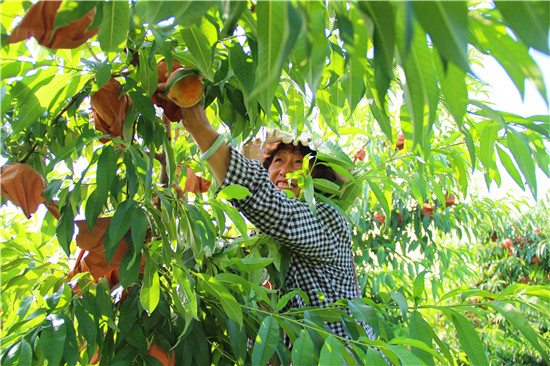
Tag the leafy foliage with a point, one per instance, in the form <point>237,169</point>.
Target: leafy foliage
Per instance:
<point>354,74</point>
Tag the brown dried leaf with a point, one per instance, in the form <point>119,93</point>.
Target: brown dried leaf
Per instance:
<point>109,109</point>
<point>23,186</point>
<point>38,23</point>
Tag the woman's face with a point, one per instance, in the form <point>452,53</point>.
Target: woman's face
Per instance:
<point>287,160</point>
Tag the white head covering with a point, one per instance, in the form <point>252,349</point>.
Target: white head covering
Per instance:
<point>267,141</point>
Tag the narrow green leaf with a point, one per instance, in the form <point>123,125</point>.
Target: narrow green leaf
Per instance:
<point>447,24</point>
<point>522,154</point>
<point>266,341</point>
<point>512,55</point>
<point>214,288</point>
<point>488,136</point>
<point>517,319</point>
<point>70,10</point>
<point>381,13</point>
<point>418,329</point>
<point>234,191</point>
<point>469,339</point>
<point>331,353</point>
<point>401,301</point>
<point>200,48</point>
<point>106,172</point>
<point>113,30</point>
<point>530,21</point>
<point>418,288</point>
<point>150,290</point>
<point>148,75</point>
<point>303,352</point>
<point>510,167</point>
<point>118,227</point>
<point>379,194</point>
<point>318,44</point>
<point>364,313</point>
<point>52,339</point>
<point>139,226</point>
<point>278,27</point>
<point>65,226</point>
<point>249,264</point>
<point>239,341</point>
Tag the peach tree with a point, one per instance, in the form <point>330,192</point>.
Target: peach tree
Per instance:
<point>136,252</point>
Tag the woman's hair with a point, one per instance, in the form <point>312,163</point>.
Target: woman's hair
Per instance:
<point>319,170</point>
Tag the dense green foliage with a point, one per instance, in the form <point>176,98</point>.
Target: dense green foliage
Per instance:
<point>438,287</point>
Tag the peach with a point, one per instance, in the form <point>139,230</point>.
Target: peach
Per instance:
<point>187,91</point>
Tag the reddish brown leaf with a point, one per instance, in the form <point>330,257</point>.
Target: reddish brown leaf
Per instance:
<point>400,141</point>
<point>23,186</point>
<point>38,23</point>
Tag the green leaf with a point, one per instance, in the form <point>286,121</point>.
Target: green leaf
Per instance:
<point>418,288</point>
<point>379,194</point>
<point>266,341</point>
<point>65,226</point>
<point>214,288</point>
<point>148,75</point>
<point>530,21</point>
<point>113,30</point>
<point>401,301</point>
<point>447,24</point>
<point>278,25</point>
<point>150,290</point>
<point>52,339</point>
<point>512,55</point>
<point>327,186</point>
<point>469,339</point>
<point>331,153</point>
<point>488,136</point>
<point>200,48</point>
<point>318,45</point>
<point>381,13</point>
<point>249,264</point>
<point>69,11</point>
<point>139,226</point>
<point>303,352</point>
<point>522,154</point>
<point>331,353</point>
<point>243,67</point>
<point>234,191</point>
<point>517,319</point>
<point>364,313</point>
<point>510,167</point>
<point>141,101</point>
<point>20,354</point>
<point>455,90</point>
<point>106,172</point>
<point>118,227</point>
<point>419,329</point>
<point>239,341</point>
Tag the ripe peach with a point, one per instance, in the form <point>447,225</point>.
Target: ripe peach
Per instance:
<point>507,243</point>
<point>428,209</point>
<point>400,144</point>
<point>187,91</point>
<point>535,260</point>
<point>379,217</point>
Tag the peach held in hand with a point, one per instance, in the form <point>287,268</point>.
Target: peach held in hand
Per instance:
<point>185,88</point>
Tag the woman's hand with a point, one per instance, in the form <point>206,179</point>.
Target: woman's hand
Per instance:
<point>197,124</point>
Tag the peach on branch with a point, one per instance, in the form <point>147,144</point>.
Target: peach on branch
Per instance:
<point>184,88</point>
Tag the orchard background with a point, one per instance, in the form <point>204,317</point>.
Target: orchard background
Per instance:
<point>447,277</point>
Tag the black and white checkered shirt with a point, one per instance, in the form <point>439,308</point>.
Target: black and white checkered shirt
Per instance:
<point>321,247</point>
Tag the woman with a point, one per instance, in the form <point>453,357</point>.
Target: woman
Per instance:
<point>320,246</point>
